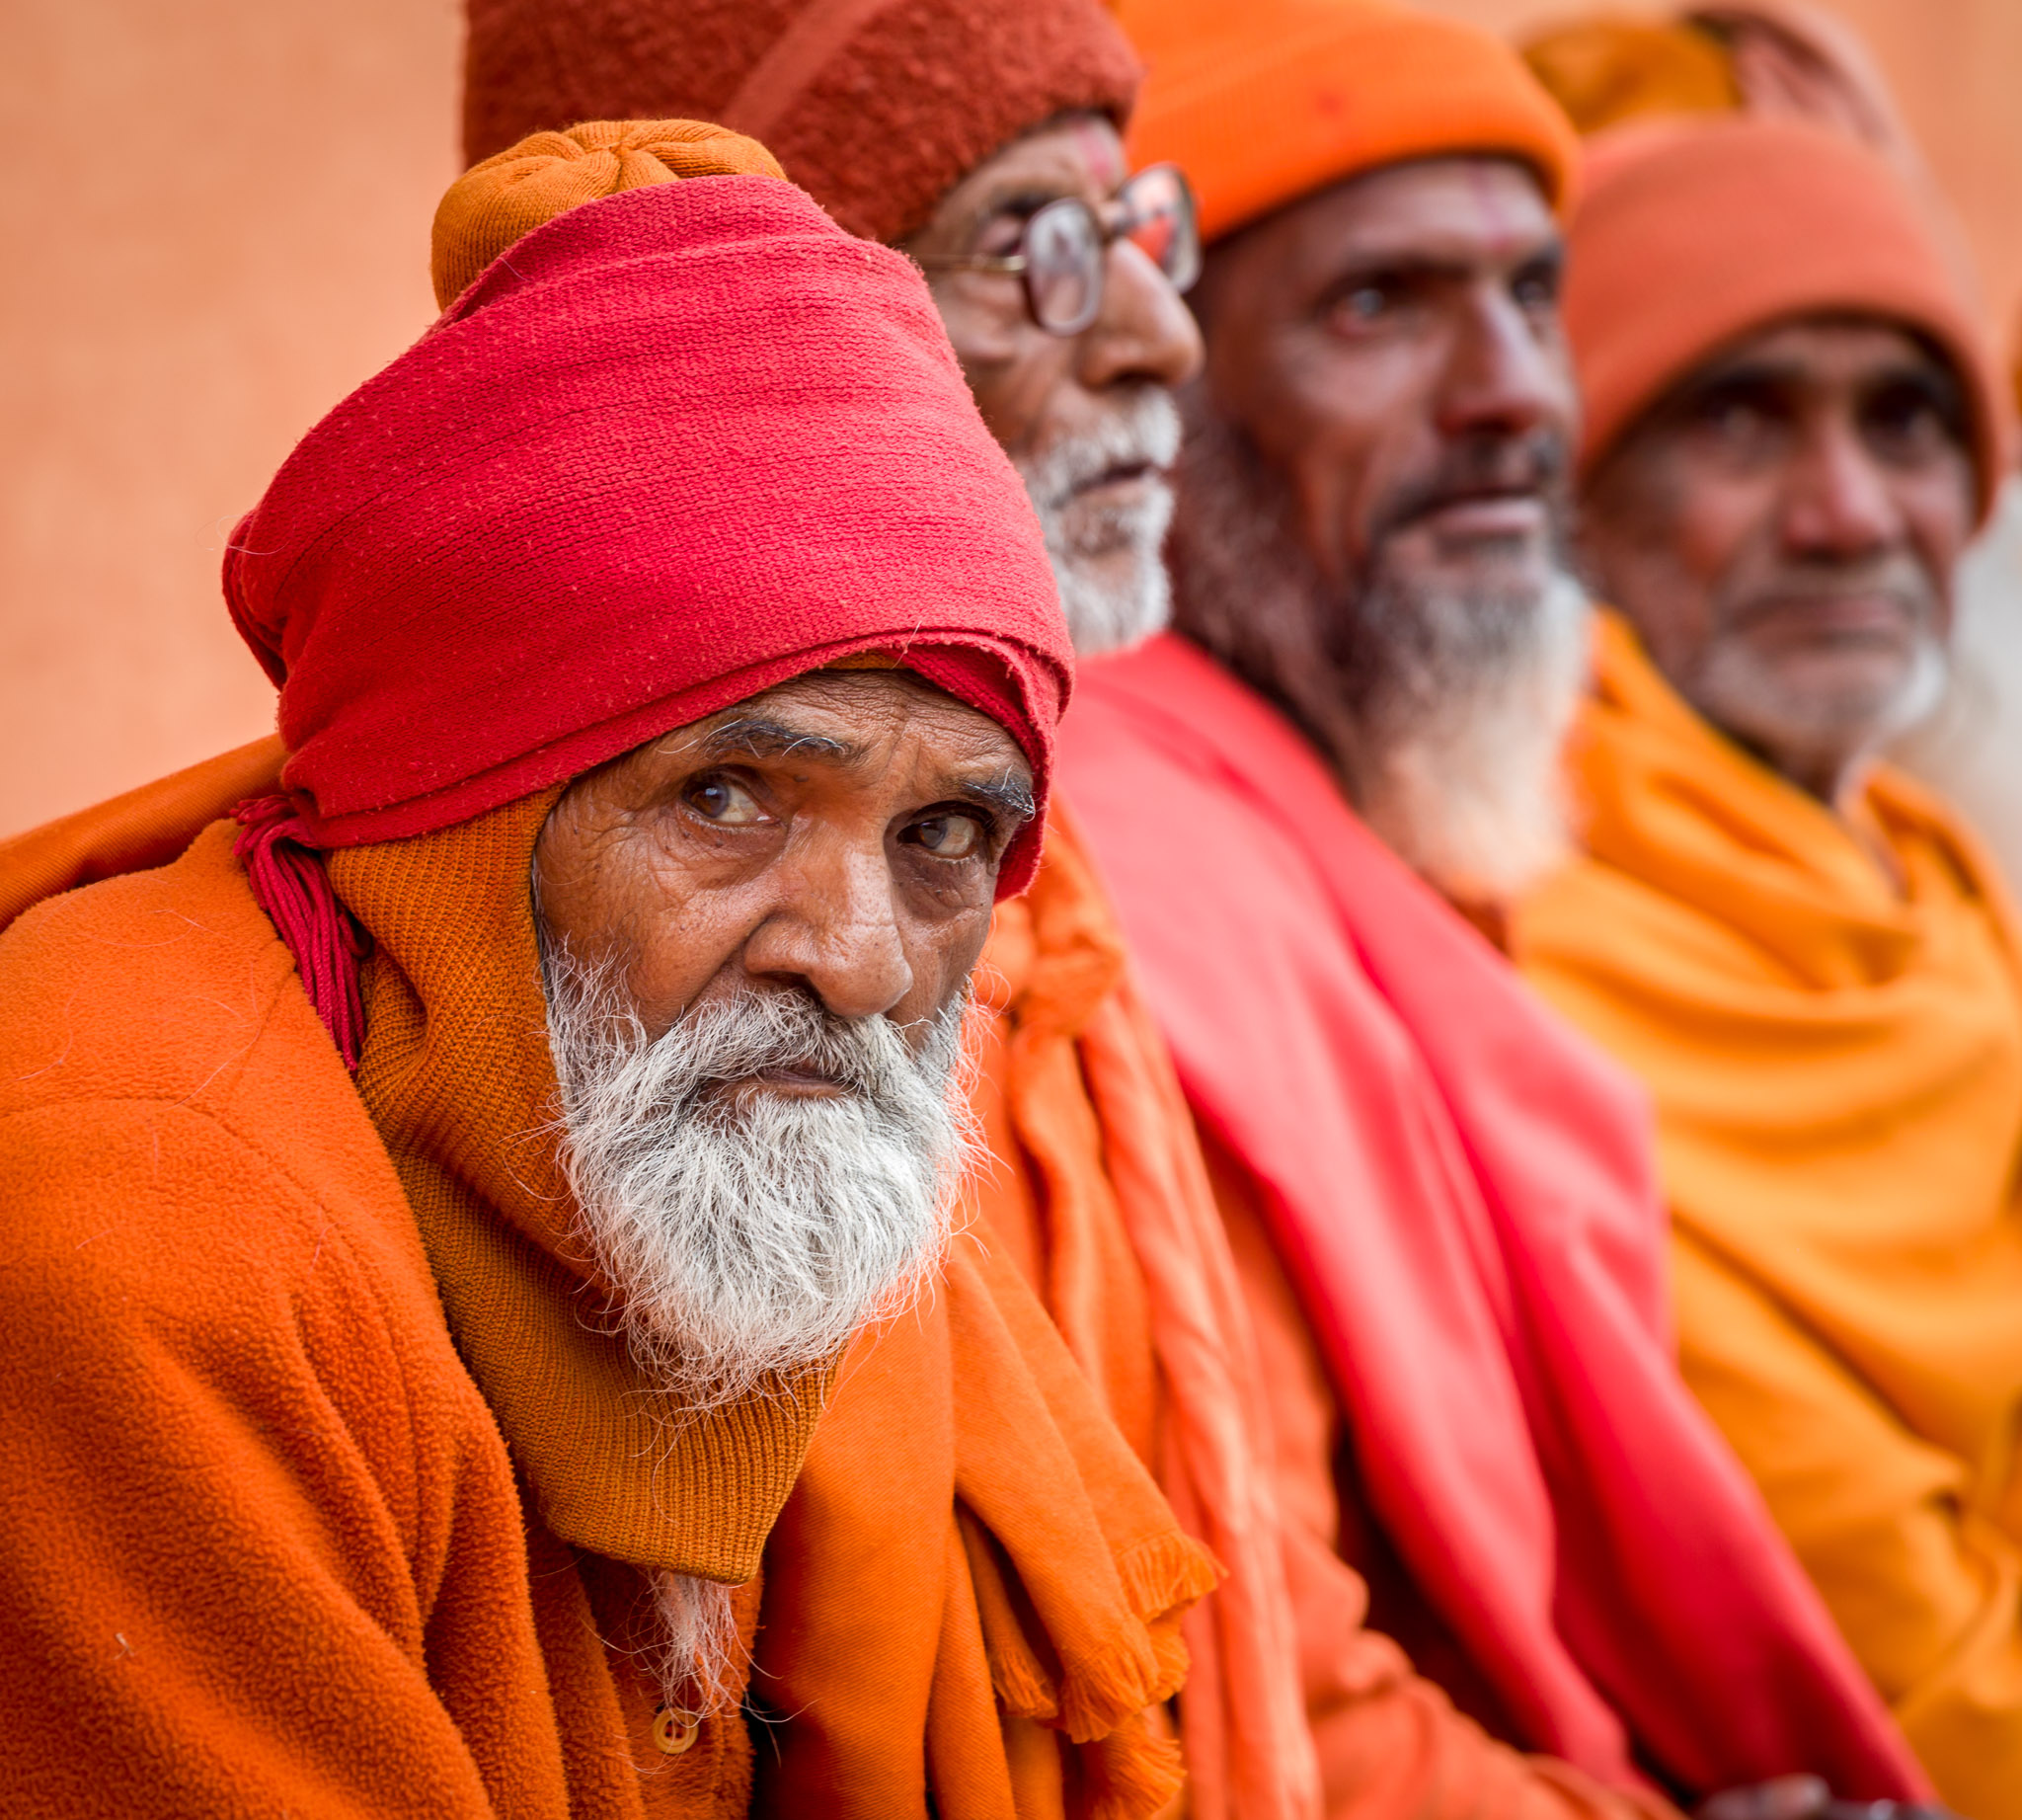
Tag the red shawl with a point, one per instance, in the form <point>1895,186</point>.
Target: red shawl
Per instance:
<point>1464,1194</point>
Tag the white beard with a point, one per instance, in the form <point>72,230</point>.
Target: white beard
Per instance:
<point>1105,613</point>
<point>1443,712</point>
<point>1465,772</point>
<point>753,1233</point>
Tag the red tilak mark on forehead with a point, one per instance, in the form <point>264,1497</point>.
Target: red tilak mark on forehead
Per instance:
<point>1504,233</point>
<point>1104,155</point>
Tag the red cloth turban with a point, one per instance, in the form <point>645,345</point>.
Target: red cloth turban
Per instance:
<point>1692,235</point>
<point>676,447</point>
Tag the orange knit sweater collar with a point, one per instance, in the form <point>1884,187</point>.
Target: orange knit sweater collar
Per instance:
<point>458,1078</point>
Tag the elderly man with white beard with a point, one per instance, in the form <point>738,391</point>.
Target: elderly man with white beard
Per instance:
<point>983,139</point>
<point>441,1191</point>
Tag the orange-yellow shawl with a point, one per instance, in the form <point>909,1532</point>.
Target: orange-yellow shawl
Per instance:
<point>1836,1058</point>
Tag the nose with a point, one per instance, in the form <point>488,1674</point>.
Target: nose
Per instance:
<point>1836,500</point>
<point>836,933</point>
<point>1145,330</point>
<point>1507,375</point>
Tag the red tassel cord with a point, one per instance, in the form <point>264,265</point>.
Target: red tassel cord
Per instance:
<point>290,885</point>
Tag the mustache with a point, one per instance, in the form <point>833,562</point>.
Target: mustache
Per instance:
<point>1141,431</point>
<point>1478,467</point>
<point>760,1033</point>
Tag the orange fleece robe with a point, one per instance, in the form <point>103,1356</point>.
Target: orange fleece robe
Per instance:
<point>1095,1174</point>
<point>266,1550</point>
<point>1080,1105</point>
<point>352,1590</point>
<point>1830,1016</point>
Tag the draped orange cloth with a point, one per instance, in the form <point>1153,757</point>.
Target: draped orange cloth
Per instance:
<point>1828,1012</point>
<point>972,1533</point>
<point>1098,1197</point>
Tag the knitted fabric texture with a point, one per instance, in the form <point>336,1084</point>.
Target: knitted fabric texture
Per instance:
<point>1267,102</point>
<point>877,107</point>
<point>679,445</point>
<point>1809,222</point>
<point>507,197</point>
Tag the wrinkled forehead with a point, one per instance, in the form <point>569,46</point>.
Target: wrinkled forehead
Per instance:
<point>1079,153</point>
<point>866,714</point>
<point>1463,213</point>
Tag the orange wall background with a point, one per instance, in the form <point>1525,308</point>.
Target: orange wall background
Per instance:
<point>216,224</point>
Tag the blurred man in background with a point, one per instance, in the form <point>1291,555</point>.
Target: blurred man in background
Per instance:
<point>985,142</point>
<point>1793,428</point>
<point>1441,1201</point>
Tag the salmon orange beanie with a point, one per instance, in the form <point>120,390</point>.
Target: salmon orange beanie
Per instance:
<point>505,198</point>
<point>1692,235</point>
<point>1262,101</point>
<point>877,107</point>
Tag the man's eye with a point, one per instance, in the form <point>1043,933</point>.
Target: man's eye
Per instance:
<point>1537,290</point>
<point>724,801</point>
<point>1365,304</point>
<point>947,837</point>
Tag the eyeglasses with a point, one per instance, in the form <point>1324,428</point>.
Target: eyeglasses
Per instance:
<point>1063,251</point>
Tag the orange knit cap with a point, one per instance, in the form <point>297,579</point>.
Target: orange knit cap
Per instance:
<point>1692,235</point>
<point>506,197</point>
<point>1262,101</point>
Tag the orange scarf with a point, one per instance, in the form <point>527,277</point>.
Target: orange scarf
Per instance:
<point>458,1078</point>
<point>1135,1269</point>
<point>1052,1606</point>
<point>1836,1058</point>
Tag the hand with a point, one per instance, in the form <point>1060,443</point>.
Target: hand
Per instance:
<point>1806,1798</point>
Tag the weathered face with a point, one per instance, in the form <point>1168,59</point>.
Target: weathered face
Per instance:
<point>1391,346</point>
<point>757,935</point>
<point>837,837</point>
<point>1783,530</point>
<point>1087,419</point>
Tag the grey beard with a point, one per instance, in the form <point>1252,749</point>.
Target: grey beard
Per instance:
<point>751,1234</point>
<point>1443,711</point>
<point>1105,614</point>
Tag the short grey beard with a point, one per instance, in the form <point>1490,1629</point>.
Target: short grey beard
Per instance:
<point>753,1234</point>
<point>1790,730</point>
<point>1465,778</point>
<point>1103,615</point>
<point>1444,714</point>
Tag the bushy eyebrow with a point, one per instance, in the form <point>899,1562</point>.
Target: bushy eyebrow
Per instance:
<point>756,735</point>
<point>752,736</point>
<point>1007,793</point>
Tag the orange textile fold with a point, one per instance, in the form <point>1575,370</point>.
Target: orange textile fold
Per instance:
<point>1130,1260</point>
<point>145,827</point>
<point>969,1521</point>
<point>509,195</point>
<point>1834,1045</point>
<point>459,1080</point>
<point>270,1480</point>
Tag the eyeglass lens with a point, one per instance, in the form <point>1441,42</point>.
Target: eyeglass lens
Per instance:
<point>1065,246</point>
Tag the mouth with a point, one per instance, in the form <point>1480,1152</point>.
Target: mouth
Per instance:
<point>1498,513</point>
<point>781,1083</point>
<point>1853,617</point>
<point>1117,479</point>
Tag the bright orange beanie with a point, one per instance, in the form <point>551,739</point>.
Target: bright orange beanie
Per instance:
<point>1690,235</point>
<point>499,201</point>
<point>1262,101</point>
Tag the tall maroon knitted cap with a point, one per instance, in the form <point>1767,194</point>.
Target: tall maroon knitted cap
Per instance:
<point>877,107</point>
